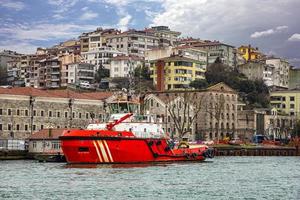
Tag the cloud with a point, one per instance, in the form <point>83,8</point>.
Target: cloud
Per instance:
<point>220,19</point>
<point>123,22</point>
<point>18,46</point>
<point>62,5</point>
<point>15,5</point>
<point>88,15</point>
<point>44,31</point>
<point>268,32</point>
<point>295,38</point>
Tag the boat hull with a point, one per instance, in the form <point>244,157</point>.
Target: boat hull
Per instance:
<point>113,147</point>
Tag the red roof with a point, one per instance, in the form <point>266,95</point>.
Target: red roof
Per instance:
<point>47,134</point>
<point>121,57</point>
<point>28,91</point>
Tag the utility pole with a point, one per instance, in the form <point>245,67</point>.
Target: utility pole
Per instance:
<point>31,105</point>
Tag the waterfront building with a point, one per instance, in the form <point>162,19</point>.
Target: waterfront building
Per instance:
<point>45,142</point>
<point>124,66</point>
<point>214,118</point>
<point>249,53</point>
<point>263,121</point>
<point>294,78</point>
<point>25,110</point>
<point>286,102</point>
<point>175,72</point>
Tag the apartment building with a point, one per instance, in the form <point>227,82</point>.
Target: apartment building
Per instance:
<point>249,53</point>
<point>175,72</point>
<point>281,75</point>
<point>124,66</point>
<point>166,36</point>
<point>287,102</point>
<point>79,72</point>
<point>133,42</point>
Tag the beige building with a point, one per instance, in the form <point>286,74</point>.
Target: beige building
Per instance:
<point>214,109</point>
<point>267,122</point>
<point>26,110</point>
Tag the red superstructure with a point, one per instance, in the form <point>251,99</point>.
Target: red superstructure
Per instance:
<point>109,146</point>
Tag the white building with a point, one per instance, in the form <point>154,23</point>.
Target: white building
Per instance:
<point>281,71</point>
<point>122,66</point>
<point>100,56</point>
<point>80,72</point>
<point>133,42</point>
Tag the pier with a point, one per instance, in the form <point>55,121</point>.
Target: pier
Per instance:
<point>255,151</point>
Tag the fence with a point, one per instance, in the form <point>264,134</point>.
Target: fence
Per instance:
<point>13,144</point>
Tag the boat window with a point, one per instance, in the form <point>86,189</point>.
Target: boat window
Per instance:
<point>83,149</point>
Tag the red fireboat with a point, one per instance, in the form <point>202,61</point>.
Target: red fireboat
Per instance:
<point>123,145</point>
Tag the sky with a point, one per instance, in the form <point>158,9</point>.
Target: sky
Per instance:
<point>271,25</point>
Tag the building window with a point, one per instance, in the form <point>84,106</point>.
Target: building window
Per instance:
<point>42,126</point>
<point>9,127</point>
<point>292,106</point>
<point>18,112</point>
<point>26,112</point>
<point>73,114</point>
<point>33,145</point>
<point>66,114</point>
<point>0,127</point>
<point>34,112</point>
<point>42,113</point>
<point>18,127</point>
<point>87,115</point>
<point>34,127</point>
<point>26,127</point>
<point>9,111</point>
<point>58,114</point>
<point>55,145</point>
<point>292,98</point>
<point>79,115</point>
<point>50,113</point>
<point>1,111</point>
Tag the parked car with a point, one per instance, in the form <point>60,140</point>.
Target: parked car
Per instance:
<point>85,85</point>
<point>235,141</point>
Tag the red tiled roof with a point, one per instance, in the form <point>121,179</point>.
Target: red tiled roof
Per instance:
<point>28,91</point>
<point>126,58</point>
<point>47,134</point>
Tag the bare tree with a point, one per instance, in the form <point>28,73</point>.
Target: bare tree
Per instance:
<point>183,108</point>
<point>215,108</point>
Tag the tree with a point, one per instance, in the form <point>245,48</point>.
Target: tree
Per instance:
<point>184,109</point>
<point>142,72</point>
<point>255,93</point>
<point>199,84</point>
<point>3,76</point>
<point>296,130</point>
<point>101,73</point>
<point>216,109</point>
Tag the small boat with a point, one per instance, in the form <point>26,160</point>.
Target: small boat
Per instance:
<point>124,141</point>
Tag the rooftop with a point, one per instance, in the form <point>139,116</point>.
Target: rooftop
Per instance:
<point>28,91</point>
